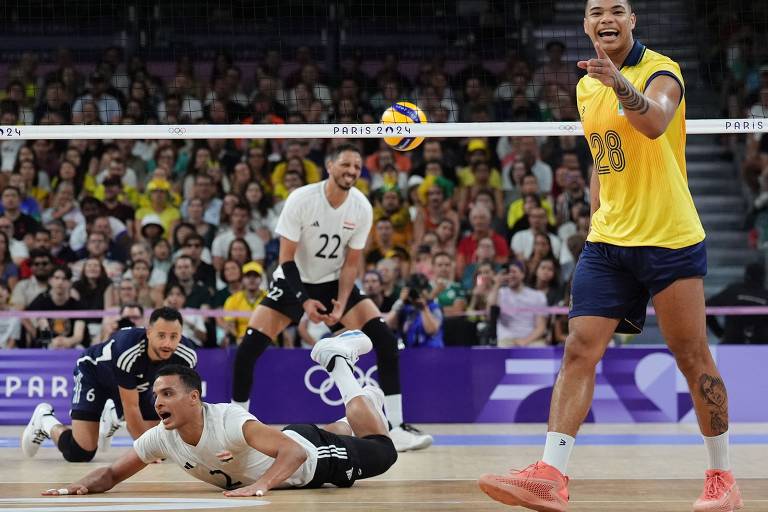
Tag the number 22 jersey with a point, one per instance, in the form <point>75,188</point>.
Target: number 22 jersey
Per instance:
<point>322,232</point>
<point>644,196</point>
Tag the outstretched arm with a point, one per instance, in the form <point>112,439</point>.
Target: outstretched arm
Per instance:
<point>103,479</point>
<point>650,112</point>
<point>288,455</point>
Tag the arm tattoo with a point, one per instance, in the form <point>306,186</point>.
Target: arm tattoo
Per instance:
<point>629,97</point>
<point>715,396</point>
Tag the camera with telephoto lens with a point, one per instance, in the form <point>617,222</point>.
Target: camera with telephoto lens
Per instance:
<point>417,284</point>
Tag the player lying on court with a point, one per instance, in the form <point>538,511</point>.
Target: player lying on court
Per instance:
<point>122,370</point>
<point>226,446</point>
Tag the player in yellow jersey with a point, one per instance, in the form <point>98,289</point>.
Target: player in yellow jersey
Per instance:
<point>645,241</point>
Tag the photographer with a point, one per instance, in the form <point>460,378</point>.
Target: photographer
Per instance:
<point>416,318</point>
<point>131,315</point>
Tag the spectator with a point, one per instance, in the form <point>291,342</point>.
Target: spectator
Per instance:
<point>98,247</point>
<point>23,225</point>
<point>517,211</point>
<point>480,219</point>
<point>95,292</point>
<point>446,238</point>
<point>204,272</point>
<point>9,272</point>
<point>95,218</point>
<point>195,218</point>
<point>391,206</point>
<point>117,203</point>
<point>373,287</point>
<point>483,280</point>
<point>140,271</point>
<point>546,279</point>
<point>263,216</point>
<point>517,329</point>
<point>142,251</point>
<point>448,293</point>
<point>389,270</point>
<point>246,299</point>
<point>28,204</point>
<point>575,191</point>
<point>193,326</point>
<point>205,191</point>
<point>239,251</point>
<point>239,228</point>
<point>56,332</point>
<point>556,71</point>
<point>231,276</point>
<point>35,183</point>
<point>64,207</point>
<point>108,107</point>
<point>129,315</point>
<point>28,289</point>
<point>415,316</point>
<point>435,207</point>
<point>41,242</point>
<point>10,327</point>
<point>159,192</point>
<point>195,292</point>
<point>382,242</point>
<point>60,249</point>
<point>55,101</point>
<point>742,329</point>
<point>542,249</point>
<point>523,241</point>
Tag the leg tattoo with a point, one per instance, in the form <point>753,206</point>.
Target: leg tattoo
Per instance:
<point>715,396</point>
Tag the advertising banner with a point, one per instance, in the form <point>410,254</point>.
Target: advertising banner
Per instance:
<point>452,385</point>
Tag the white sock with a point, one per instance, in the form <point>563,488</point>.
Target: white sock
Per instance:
<point>557,451</point>
<point>345,380</point>
<point>48,422</point>
<point>245,405</point>
<point>393,408</point>
<point>717,450</point>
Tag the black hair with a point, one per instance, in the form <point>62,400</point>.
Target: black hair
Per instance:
<point>337,151</point>
<point>63,268</point>
<point>132,305</point>
<point>166,313</point>
<point>188,376</point>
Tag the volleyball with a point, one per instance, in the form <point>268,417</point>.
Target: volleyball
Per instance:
<point>402,113</point>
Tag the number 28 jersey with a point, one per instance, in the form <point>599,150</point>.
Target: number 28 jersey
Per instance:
<point>323,233</point>
<point>644,196</point>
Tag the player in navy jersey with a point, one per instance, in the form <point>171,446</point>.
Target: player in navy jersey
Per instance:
<point>121,369</point>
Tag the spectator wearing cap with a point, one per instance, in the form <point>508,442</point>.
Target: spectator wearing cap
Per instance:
<point>152,228</point>
<point>159,192</point>
<point>117,202</point>
<point>390,205</point>
<point>514,328</point>
<point>249,296</point>
<point>477,152</point>
<point>108,107</point>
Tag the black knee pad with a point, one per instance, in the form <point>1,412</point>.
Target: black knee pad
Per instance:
<point>387,354</point>
<point>253,345</point>
<point>380,455</point>
<point>71,450</point>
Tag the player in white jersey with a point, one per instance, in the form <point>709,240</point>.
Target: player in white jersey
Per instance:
<point>226,446</point>
<point>323,229</point>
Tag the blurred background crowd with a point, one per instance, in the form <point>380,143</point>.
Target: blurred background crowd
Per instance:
<point>465,229</point>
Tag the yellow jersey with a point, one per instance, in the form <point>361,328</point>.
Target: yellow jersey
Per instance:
<point>644,196</point>
<point>238,301</point>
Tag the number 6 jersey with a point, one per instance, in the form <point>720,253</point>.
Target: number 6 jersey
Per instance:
<point>322,232</point>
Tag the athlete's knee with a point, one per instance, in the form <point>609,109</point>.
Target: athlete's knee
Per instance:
<point>384,340</point>
<point>691,356</point>
<point>581,351</point>
<point>386,454</point>
<point>254,343</point>
<point>72,451</point>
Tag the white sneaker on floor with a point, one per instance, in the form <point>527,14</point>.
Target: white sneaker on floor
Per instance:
<point>108,425</point>
<point>376,396</point>
<point>34,435</point>
<point>407,438</point>
<point>348,345</point>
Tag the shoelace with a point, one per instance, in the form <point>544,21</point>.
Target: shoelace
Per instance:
<point>713,486</point>
<point>410,428</point>
<point>114,428</point>
<point>40,436</point>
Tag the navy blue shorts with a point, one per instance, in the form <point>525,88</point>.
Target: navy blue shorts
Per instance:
<point>91,393</point>
<point>616,282</point>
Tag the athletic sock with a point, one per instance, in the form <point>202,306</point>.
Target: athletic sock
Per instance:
<point>345,380</point>
<point>49,421</point>
<point>717,450</point>
<point>245,405</point>
<point>393,408</point>
<point>557,450</point>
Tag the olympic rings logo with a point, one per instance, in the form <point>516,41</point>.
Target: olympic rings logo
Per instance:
<point>176,130</point>
<point>364,378</point>
<point>568,127</point>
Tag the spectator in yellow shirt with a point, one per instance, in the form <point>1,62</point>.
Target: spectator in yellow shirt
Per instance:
<point>244,300</point>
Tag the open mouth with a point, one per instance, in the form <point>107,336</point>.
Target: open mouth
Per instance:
<point>608,35</point>
<point>164,416</point>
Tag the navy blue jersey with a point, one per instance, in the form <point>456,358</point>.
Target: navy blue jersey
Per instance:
<point>123,361</point>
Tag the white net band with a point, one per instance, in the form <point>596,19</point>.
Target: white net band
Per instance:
<point>356,131</point>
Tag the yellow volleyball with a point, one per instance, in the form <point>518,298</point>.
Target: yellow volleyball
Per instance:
<point>402,113</point>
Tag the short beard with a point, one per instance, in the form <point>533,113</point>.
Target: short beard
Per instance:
<point>342,185</point>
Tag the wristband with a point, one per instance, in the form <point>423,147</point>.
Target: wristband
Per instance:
<point>293,277</point>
